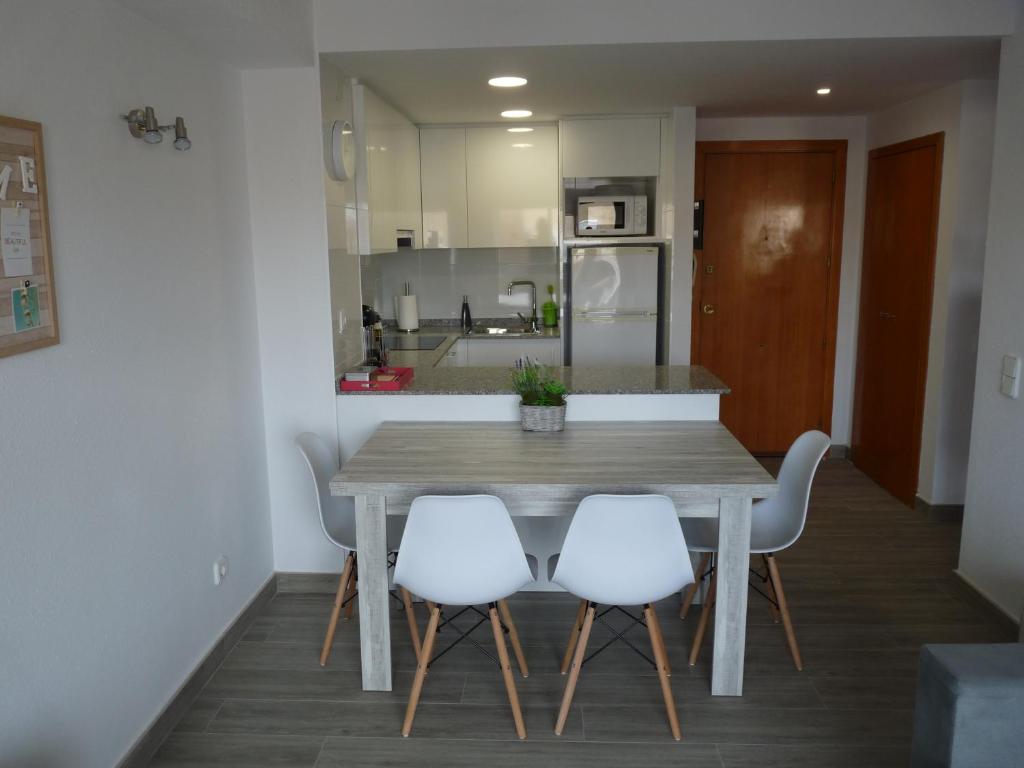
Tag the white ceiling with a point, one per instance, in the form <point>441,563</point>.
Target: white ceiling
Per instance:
<point>720,78</point>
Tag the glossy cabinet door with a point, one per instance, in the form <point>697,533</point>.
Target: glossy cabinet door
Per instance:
<point>505,352</point>
<point>390,148</point>
<point>512,187</point>
<point>619,146</point>
<point>443,179</point>
<point>456,356</point>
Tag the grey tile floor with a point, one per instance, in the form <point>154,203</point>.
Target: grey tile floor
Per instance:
<point>868,583</point>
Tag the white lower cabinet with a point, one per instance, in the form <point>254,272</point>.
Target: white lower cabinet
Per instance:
<point>455,357</point>
<point>505,352</point>
<point>501,352</point>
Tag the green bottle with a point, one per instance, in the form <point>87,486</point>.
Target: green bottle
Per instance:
<point>550,309</point>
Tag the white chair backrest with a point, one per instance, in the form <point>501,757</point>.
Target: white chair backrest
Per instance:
<point>780,519</point>
<point>461,550</point>
<point>624,550</point>
<point>337,514</point>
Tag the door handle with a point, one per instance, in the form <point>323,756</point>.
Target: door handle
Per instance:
<point>887,315</point>
<point>708,309</point>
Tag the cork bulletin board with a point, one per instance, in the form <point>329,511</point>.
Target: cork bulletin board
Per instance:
<point>28,300</point>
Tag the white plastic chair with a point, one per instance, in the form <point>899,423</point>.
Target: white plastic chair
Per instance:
<point>641,535</point>
<point>776,523</point>
<point>337,516</point>
<point>464,550</point>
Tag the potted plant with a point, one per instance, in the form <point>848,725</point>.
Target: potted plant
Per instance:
<point>542,397</point>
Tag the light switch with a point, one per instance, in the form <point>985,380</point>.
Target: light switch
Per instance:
<point>1010,380</point>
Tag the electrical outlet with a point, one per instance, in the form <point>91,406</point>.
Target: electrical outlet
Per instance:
<point>220,570</point>
<point>1010,383</point>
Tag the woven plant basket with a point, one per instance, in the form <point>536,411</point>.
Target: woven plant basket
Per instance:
<point>542,418</point>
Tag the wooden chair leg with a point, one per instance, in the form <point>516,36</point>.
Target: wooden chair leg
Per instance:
<point>787,622</point>
<point>662,661</point>
<point>705,615</point>
<point>421,669</point>
<point>346,575</point>
<point>513,636</point>
<point>574,672</point>
<point>654,627</point>
<point>410,616</point>
<point>352,584</point>
<point>573,636</point>
<point>506,671</point>
<point>772,597</point>
<point>691,593</point>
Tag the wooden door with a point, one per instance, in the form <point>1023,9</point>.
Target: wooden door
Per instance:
<point>766,284</point>
<point>900,222</point>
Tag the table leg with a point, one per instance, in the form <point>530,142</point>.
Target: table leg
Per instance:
<point>731,598</point>
<point>374,610</point>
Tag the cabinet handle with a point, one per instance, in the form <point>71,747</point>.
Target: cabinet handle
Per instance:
<point>709,309</point>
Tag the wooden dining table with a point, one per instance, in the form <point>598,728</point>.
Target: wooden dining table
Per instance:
<point>698,464</point>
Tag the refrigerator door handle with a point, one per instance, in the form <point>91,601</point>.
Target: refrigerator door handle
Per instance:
<point>614,314</point>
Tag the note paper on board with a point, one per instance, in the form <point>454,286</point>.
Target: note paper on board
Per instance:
<point>15,242</point>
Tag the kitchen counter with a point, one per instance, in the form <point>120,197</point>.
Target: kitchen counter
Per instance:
<point>422,360</point>
<point>612,380</point>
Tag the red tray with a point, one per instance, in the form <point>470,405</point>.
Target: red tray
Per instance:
<point>376,385</point>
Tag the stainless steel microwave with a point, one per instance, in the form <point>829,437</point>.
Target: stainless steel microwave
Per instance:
<point>610,216</point>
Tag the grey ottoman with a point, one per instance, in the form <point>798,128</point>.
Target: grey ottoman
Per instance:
<point>970,707</point>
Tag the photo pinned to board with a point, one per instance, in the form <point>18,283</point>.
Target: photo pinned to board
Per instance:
<point>25,303</point>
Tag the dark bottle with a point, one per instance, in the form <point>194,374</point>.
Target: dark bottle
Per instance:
<point>467,319</point>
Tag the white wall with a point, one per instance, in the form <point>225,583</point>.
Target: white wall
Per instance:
<point>993,530</point>
<point>283,145</point>
<point>965,112</point>
<point>853,130</point>
<point>132,453</point>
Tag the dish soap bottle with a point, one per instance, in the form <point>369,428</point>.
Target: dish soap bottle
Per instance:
<point>550,309</point>
<point>467,319</point>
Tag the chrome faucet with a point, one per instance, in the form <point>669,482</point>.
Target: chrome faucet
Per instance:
<point>533,302</point>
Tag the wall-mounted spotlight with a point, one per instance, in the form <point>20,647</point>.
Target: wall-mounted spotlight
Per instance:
<point>142,124</point>
<point>181,139</point>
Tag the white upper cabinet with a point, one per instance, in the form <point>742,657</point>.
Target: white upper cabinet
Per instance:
<point>614,146</point>
<point>512,187</point>
<point>387,171</point>
<point>443,174</point>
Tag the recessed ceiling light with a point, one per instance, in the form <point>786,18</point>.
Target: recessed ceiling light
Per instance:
<point>522,146</point>
<point>520,130</point>
<point>517,113</point>
<point>507,81</point>
<point>824,91</point>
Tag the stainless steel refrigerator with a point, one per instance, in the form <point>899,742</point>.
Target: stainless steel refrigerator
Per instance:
<point>614,301</point>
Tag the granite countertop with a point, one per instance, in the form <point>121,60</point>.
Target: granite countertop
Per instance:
<point>611,380</point>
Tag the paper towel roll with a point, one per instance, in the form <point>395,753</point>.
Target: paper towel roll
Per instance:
<point>407,315</point>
